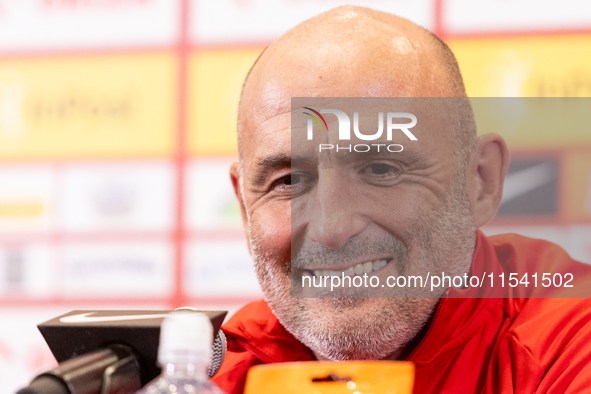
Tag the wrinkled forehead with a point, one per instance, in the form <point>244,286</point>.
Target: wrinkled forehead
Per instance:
<point>266,109</point>
<point>327,131</point>
<point>384,67</point>
<point>330,60</point>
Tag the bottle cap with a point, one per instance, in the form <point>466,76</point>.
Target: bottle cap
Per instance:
<point>185,337</point>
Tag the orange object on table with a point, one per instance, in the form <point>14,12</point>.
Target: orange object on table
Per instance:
<point>324,377</point>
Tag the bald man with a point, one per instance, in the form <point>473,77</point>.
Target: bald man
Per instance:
<point>380,215</point>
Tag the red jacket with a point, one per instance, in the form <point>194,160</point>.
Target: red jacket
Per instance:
<point>473,345</point>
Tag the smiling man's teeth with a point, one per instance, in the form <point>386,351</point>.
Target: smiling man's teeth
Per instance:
<point>358,269</point>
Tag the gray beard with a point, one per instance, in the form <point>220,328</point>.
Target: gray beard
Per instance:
<point>361,328</point>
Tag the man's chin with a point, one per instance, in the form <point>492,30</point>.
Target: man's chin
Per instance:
<point>340,329</point>
<point>340,315</point>
<point>353,328</point>
<point>326,305</point>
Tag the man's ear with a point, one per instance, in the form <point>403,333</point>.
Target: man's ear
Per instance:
<point>235,177</point>
<point>485,176</point>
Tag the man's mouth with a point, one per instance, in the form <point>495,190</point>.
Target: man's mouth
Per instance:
<point>357,269</point>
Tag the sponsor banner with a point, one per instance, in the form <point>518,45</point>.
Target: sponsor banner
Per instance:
<point>122,105</point>
<point>219,269</point>
<point>210,199</point>
<point>118,196</point>
<point>239,21</point>
<point>28,270</point>
<point>553,66</point>
<point>468,16</point>
<point>577,186</point>
<point>531,188</point>
<point>27,201</point>
<point>83,24</point>
<point>215,81</point>
<point>530,124</point>
<point>118,269</point>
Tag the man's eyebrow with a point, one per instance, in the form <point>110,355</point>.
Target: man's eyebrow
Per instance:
<point>278,160</point>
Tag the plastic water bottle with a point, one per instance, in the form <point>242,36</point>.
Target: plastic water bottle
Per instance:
<point>184,353</point>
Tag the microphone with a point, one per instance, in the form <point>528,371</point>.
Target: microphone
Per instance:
<point>110,352</point>
<point>219,347</point>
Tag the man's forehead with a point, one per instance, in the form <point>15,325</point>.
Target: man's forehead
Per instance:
<point>330,59</point>
<point>324,58</point>
<point>267,97</point>
<point>270,136</point>
<point>312,135</point>
<point>266,107</point>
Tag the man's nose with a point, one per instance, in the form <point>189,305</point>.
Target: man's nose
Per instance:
<point>335,212</point>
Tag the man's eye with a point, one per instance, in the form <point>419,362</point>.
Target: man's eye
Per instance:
<point>380,173</point>
<point>294,179</point>
<point>292,183</point>
<point>381,169</point>
<point>288,180</point>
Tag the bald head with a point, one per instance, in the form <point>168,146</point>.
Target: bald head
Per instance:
<point>349,52</point>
